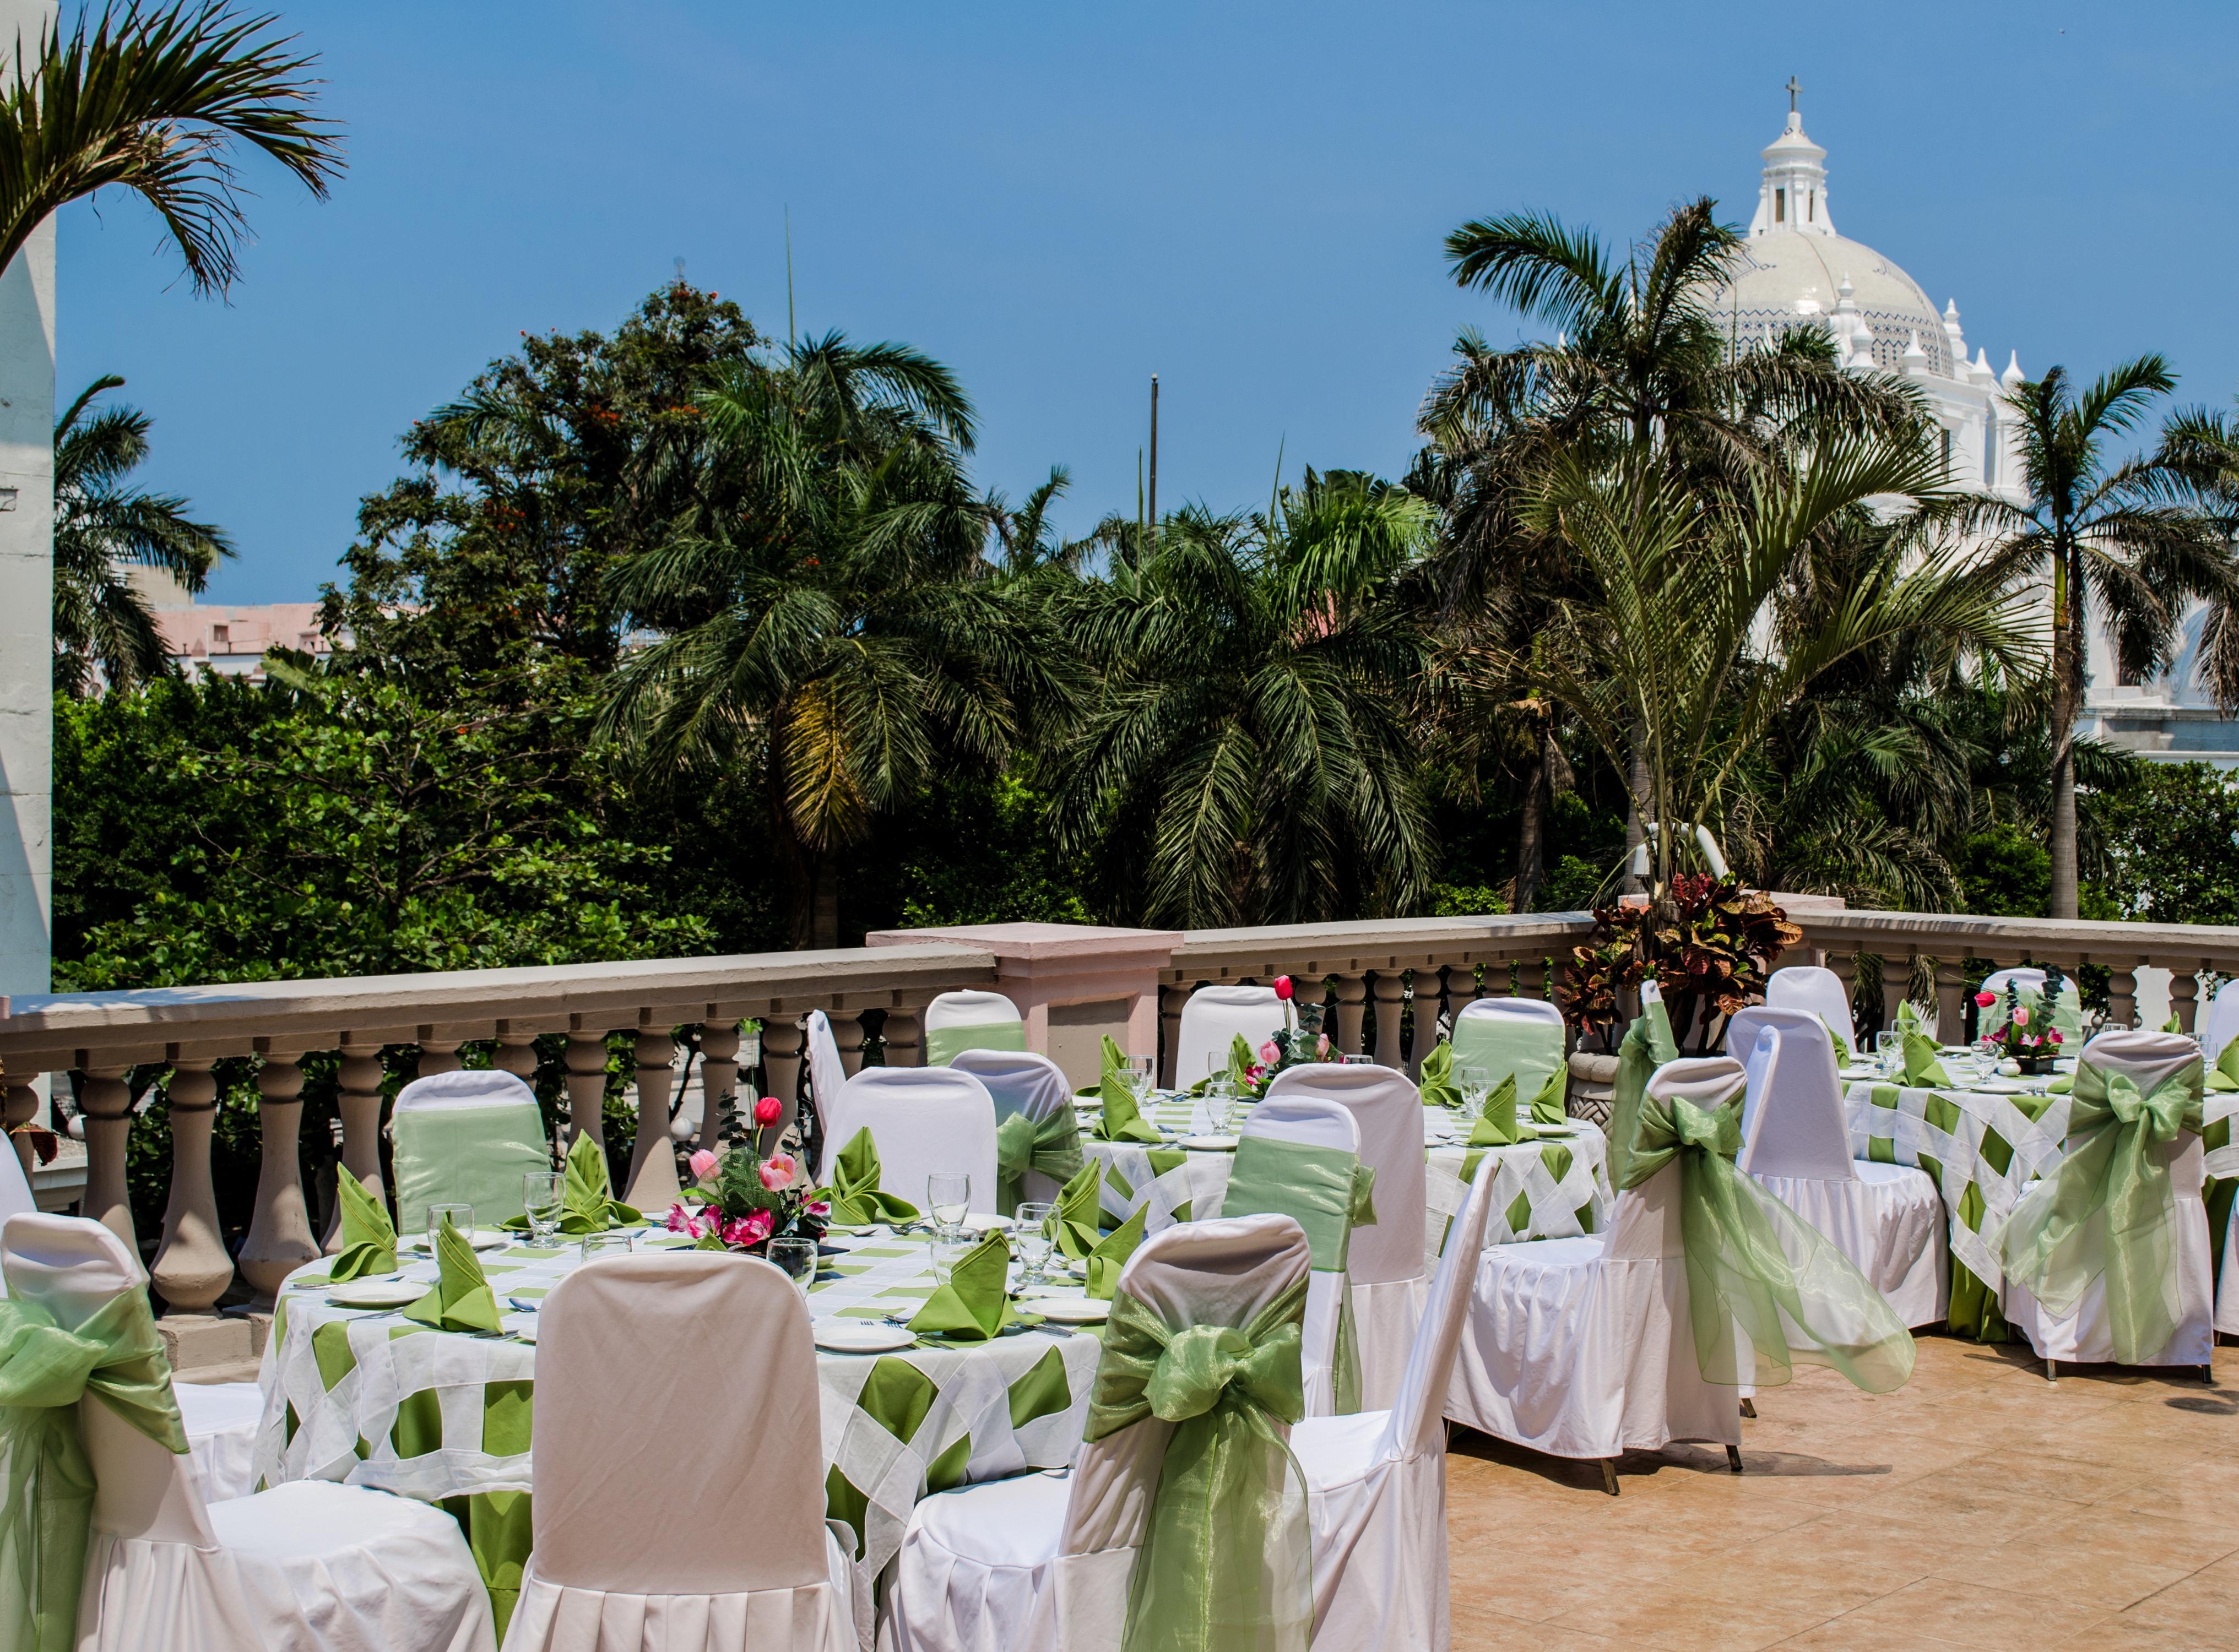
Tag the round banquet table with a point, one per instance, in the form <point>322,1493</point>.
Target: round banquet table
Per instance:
<point>371,1398</point>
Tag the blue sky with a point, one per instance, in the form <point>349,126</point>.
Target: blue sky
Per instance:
<point>1059,201</point>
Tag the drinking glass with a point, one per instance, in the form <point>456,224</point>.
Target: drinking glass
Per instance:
<point>540,1198</point>
<point>948,1199</point>
<point>1030,1240</point>
<point>1142,1078</point>
<point>948,1249</point>
<point>1889,1051</point>
<point>620,1243</point>
<point>1475,1084</point>
<point>462,1218</point>
<point>796,1259</point>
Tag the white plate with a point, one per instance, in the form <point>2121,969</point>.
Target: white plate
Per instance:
<point>986,1221</point>
<point>377,1293</point>
<point>1209,1144</point>
<point>521,1325</point>
<point>2001,1087</point>
<point>481,1239</point>
<point>861,1336</point>
<point>1071,1311</point>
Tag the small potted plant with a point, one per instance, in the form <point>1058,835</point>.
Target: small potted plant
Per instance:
<point>2019,1037</point>
<point>741,1200</point>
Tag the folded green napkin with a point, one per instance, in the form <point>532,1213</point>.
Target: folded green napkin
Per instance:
<point>462,1299</point>
<point>2066,1083</point>
<point>586,1195</point>
<point>975,1302</point>
<point>1921,1066</point>
<point>2225,1075</point>
<point>1498,1127</point>
<point>1548,1107</point>
<point>1121,1120</point>
<point>1078,1203</point>
<point>855,1194</point>
<point>1111,1255</point>
<point>1908,1017</point>
<point>1437,1085</point>
<point>369,1236</point>
<point>2172,1025</point>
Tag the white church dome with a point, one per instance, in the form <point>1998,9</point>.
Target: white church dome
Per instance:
<point>1794,266</point>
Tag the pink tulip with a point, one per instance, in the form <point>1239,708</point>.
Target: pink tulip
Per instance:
<point>680,1222</point>
<point>1270,1053</point>
<point>1284,988</point>
<point>750,1228</point>
<point>778,1171</point>
<point>767,1109</point>
<point>1985,1000</point>
<point>818,1207</point>
<point>2053,1036</point>
<point>2020,1015</point>
<point>703,1164</point>
<point>1321,1045</point>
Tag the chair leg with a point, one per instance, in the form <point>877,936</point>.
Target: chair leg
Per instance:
<point>1749,1409</point>
<point>2051,1375</point>
<point>2208,1375</point>
<point>1608,1474</point>
<point>1734,1458</point>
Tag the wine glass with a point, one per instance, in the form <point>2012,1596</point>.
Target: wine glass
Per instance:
<point>796,1259</point>
<point>1889,1051</point>
<point>1142,1078</point>
<point>1475,1084</point>
<point>461,1217</point>
<point>948,1249</point>
<point>541,1197</point>
<point>1030,1240</point>
<point>948,1199</point>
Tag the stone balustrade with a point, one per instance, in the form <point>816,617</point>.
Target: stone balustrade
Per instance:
<point>1074,985</point>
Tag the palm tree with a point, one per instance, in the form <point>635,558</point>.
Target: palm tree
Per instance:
<point>151,102</point>
<point>2129,540</point>
<point>1249,757</point>
<point>104,630</point>
<point>828,615</point>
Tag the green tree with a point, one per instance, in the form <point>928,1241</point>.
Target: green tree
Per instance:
<point>2127,542</point>
<point>102,625</point>
<point>152,103</point>
<point>1249,757</point>
<point>2171,844</point>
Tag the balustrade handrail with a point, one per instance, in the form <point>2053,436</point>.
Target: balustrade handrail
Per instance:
<point>1380,944</point>
<point>2065,941</point>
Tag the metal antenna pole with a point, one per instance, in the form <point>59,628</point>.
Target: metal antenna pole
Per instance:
<point>1154,458</point>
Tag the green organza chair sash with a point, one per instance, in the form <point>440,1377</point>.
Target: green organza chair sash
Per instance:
<point>1226,1563</point>
<point>1647,1045</point>
<point>1754,1265</point>
<point>1050,1145</point>
<point>944,1044</point>
<point>2116,1170</point>
<point>1532,1051</point>
<point>466,1156</point>
<point>1328,1192</point>
<point>45,1371</point>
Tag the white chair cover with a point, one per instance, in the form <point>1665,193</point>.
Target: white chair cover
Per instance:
<point>1044,1559</point>
<point>1214,1018</point>
<point>1021,1081</point>
<point>1523,1036</point>
<point>654,1534</point>
<point>1314,1123</point>
<point>1888,1219</point>
<point>466,1137</point>
<point>1375,1482</point>
<point>1583,1348</point>
<point>924,1120</point>
<point>2083,1337</point>
<point>15,1197</point>
<point>2218,1027</point>
<point>1815,991</point>
<point>952,1015</point>
<point>221,1420</point>
<point>307,1567</point>
<point>1386,1262</point>
<point>2032,980</point>
<point>827,1074</point>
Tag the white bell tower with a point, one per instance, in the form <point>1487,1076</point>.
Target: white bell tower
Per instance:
<point>1794,193</point>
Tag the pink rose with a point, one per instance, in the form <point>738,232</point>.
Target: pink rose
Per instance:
<point>1321,1045</point>
<point>1985,1000</point>
<point>2020,1015</point>
<point>1283,988</point>
<point>767,1109</point>
<point>777,1173</point>
<point>2053,1036</point>
<point>703,1164</point>
<point>751,1229</point>
<point>1270,1053</point>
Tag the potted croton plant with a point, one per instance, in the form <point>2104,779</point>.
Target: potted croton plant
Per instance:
<point>741,1199</point>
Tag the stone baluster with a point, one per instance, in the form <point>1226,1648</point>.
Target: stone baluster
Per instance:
<point>2121,995</point>
<point>2185,996</point>
<point>1532,981</point>
<point>192,1269</point>
<point>106,1101</point>
<point>516,1053</point>
<point>1352,995</point>
<point>652,1183</point>
<point>19,1104</point>
<point>1389,990</point>
<point>1431,1008</point>
<point>1896,984</point>
<point>279,1239</point>
<point>438,1056</point>
<point>847,1032</point>
<point>359,1105</point>
<point>1171,1000</point>
<point>781,1043</point>
<point>1950,1001</point>
<point>904,1045</point>
<point>586,1086</point>
<point>1845,965</point>
<point>719,1076</point>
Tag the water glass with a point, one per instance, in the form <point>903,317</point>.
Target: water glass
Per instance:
<point>1030,1240</point>
<point>1475,1085</point>
<point>461,1217</point>
<point>1889,1051</point>
<point>948,1249</point>
<point>796,1259</point>
<point>1142,1078</point>
<point>620,1243</point>
<point>948,1199</point>
<point>540,1198</point>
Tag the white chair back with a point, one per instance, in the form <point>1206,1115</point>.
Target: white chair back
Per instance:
<point>16,1198</point>
<point>1745,1027</point>
<point>626,1500</point>
<point>1513,1009</point>
<point>1818,990</point>
<point>1314,1120</point>
<point>2222,1023</point>
<point>1792,1120</point>
<point>466,1137</point>
<point>827,1073</point>
<point>2025,980</point>
<point>73,1268</point>
<point>969,1009</point>
<point>1644,1222</point>
<point>924,1120</point>
<point>1021,1081</point>
<point>1417,1416</point>
<point>1520,1035</point>
<point>1389,1111</point>
<point>1214,1018</point>
<point>2151,1058</point>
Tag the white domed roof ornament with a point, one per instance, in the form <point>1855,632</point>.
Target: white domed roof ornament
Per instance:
<point>1981,373</point>
<point>1914,359</point>
<point>2013,374</point>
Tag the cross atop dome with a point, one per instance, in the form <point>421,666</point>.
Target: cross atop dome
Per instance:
<point>1794,193</point>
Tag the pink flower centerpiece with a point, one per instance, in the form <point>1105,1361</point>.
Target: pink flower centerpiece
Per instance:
<point>741,1199</point>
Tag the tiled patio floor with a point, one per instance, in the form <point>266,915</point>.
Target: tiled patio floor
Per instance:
<point>1979,1508</point>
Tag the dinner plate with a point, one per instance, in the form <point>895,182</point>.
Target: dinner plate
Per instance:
<point>2001,1087</point>
<point>1071,1311</point>
<point>377,1293</point>
<point>861,1336</point>
<point>986,1221</point>
<point>1209,1144</point>
<point>521,1325</point>
<point>481,1239</point>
